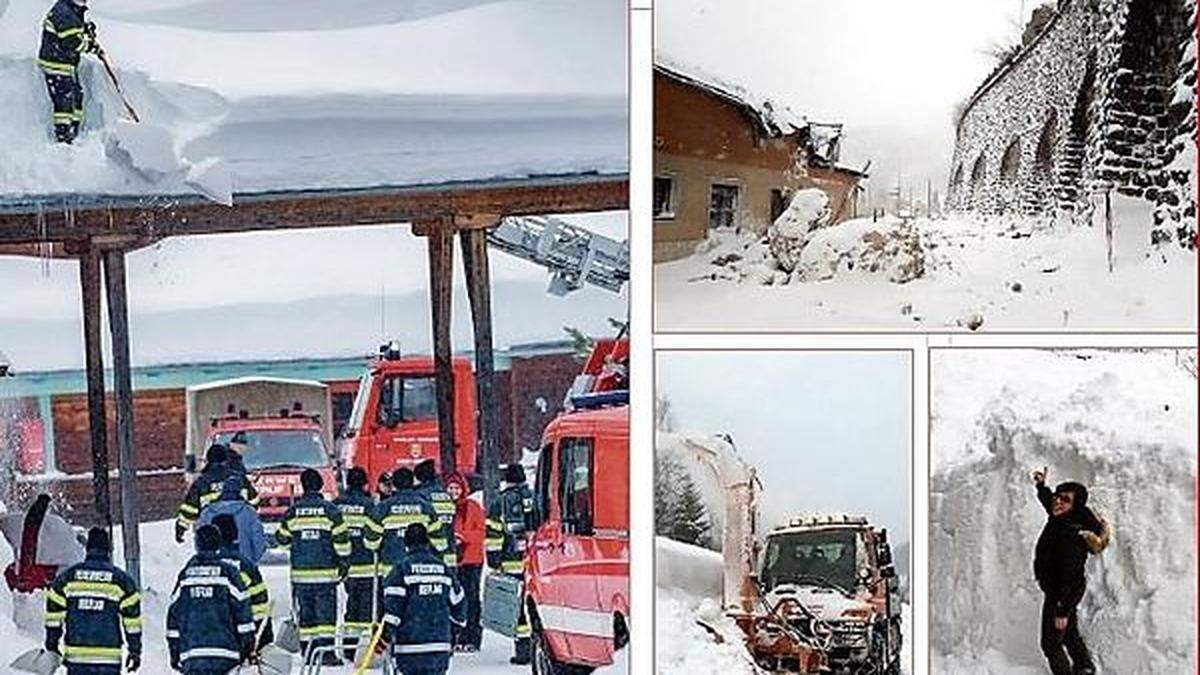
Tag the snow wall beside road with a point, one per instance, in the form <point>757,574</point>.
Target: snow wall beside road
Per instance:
<point>691,569</point>
<point>1122,423</point>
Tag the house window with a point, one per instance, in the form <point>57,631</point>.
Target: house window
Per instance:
<point>778,204</point>
<point>664,197</point>
<point>723,206</point>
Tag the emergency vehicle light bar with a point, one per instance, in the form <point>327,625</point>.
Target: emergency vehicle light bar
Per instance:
<point>600,399</point>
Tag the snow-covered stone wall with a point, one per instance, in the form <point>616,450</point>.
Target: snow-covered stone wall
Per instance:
<point>1100,99</point>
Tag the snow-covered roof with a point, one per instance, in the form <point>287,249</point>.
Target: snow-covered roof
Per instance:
<point>772,117</point>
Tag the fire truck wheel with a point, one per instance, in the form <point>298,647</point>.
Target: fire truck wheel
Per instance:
<point>544,663</point>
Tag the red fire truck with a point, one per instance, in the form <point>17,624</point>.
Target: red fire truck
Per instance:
<point>394,419</point>
<point>577,564</point>
<point>279,426</point>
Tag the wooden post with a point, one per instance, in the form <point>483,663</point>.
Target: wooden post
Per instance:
<point>118,323</point>
<point>479,291</point>
<point>1109,227</point>
<point>89,284</point>
<point>441,285</point>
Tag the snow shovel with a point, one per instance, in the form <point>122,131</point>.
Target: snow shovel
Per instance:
<point>287,638</point>
<point>112,77</point>
<point>38,661</point>
<point>272,660</point>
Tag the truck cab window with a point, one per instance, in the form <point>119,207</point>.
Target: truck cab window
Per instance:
<point>576,484</point>
<point>542,487</point>
<point>406,399</point>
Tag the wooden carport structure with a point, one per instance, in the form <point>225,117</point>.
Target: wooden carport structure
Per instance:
<point>99,231</point>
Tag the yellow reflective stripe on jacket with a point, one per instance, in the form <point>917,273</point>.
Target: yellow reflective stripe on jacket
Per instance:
<point>323,574</point>
<point>403,520</point>
<point>55,619</point>
<point>49,27</point>
<point>310,523</point>
<point>112,591</point>
<point>131,600</point>
<point>316,631</point>
<point>512,566</point>
<point>52,595</point>
<point>450,559</point>
<point>57,67</point>
<point>360,571</point>
<point>132,624</point>
<point>77,654</point>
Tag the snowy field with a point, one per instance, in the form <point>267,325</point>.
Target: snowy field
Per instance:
<point>1121,422</point>
<point>979,274</point>
<point>162,560</point>
<point>328,96</point>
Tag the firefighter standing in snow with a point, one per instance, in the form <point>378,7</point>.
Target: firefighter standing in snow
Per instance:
<point>210,626</point>
<point>358,508</point>
<point>443,505</point>
<point>66,35</point>
<point>92,608</point>
<point>510,519</point>
<point>314,532</point>
<point>1071,530</point>
<point>208,488</point>
<point>250,577</point>
<point>405,507</point>
<point>422,599</point>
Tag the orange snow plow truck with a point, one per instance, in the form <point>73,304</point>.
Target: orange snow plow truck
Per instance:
<point>280,427</point>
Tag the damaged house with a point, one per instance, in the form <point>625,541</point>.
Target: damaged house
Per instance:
<point>725,159</point>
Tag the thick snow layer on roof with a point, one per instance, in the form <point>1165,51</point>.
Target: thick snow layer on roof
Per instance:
<point>775,116</point>
<point>500,90</point>
<point>278,15</point>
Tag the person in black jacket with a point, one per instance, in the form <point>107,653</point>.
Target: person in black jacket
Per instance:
<point>1058,565</point>
<point>66,35</point>
<point>210,624</point>
<point>361,583</point>
<point>92,609</point>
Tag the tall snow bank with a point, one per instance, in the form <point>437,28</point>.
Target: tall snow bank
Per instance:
<point>684,646</point>
<point>712,492</point>
<point>1121,422</point>
<point>691,569</point>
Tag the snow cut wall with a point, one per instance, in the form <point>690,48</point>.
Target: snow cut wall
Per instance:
<point>1122,423</point>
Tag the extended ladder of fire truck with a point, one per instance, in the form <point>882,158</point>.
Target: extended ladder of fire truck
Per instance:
<point>574,255</point>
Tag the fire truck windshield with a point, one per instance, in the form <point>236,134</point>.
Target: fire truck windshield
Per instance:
<point>267,448</point>
<point>407,398</point>
<point>818,558</point>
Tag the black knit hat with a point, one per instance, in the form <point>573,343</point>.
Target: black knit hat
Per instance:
<point>227,526</point>
<point>356,478</point>
<point>402,479</point>
<point>217,454</point>
<point>99,541</point>
<point>514,473</point>
<point>311,481</point>
<point>208,538</point>
<point>426,472</point>
<point>1078,489</point>
<point>415,536</point>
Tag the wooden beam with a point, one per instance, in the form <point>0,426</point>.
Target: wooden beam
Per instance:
<point>479,292</point>
<point>89,283</point>
<point>118,323</point>
<point>72,218</point>
<point>441,286</point>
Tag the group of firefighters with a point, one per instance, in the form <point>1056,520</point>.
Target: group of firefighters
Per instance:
<point>410,560</point>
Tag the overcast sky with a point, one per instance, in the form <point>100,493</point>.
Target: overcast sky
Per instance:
<point>827,431</point>
<point>891,70</point>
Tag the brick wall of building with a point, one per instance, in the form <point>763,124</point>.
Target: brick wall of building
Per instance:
<point>546,377</point>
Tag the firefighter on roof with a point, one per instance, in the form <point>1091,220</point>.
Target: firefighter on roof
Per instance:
<point>358,508</point>
<point>443,505</point>
<point>250,577</point>
<point>319,541</point>
<point>91,609</point>
<point>208,488</point>
<point>422,599</point>
<point>210,625</point>
<point>66,36</point>
<point>405,507</point>
<point>510,518</point>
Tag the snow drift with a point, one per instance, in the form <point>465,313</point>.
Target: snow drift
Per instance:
<point>690,569</point>
<point>1121,422</point>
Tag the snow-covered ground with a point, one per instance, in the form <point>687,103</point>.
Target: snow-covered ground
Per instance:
<point>162,560</point>
<point>330,98</point>
<point>979,273</point>
<point>1121,422</point>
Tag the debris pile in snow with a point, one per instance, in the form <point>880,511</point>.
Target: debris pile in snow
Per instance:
<point>788,235</point>
<point>1122,422</point>
<point>961,271</point>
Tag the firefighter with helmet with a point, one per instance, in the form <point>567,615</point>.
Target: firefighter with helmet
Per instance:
<point>510,518</point>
